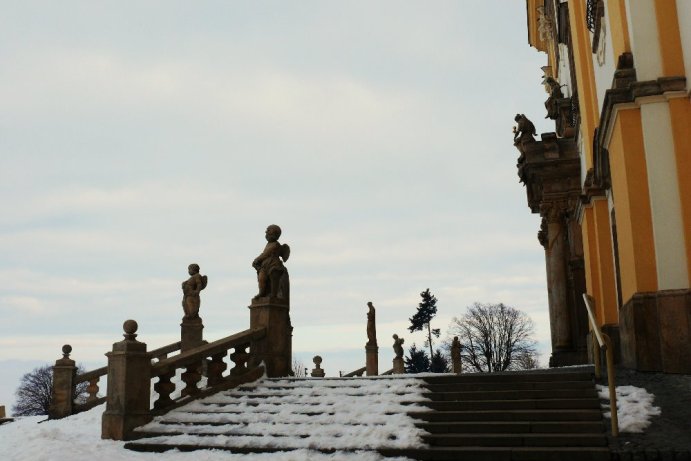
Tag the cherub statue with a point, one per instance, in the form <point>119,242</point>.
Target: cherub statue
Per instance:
<point>524,130</point>
<point>398,346</point>
<point>272,275</point>
<point>190,292</point>
<point>371,325</point>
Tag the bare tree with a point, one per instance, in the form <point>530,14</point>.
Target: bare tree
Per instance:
<point>299,368</point>
<point>495,337</point>
<point>35,392</point>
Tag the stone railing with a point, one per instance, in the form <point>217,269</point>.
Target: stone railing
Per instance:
<point>358,372</point>
<point>128,404</point>
<point>66,380</point>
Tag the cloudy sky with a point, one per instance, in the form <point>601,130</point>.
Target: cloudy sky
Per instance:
<point>138,137</point>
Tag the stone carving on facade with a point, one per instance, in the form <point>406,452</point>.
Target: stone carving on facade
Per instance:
<point>545,25</point>
<point>371,325</point>
<point>523,132</point>
<point>272,276</point>
<point>542,236</point>
<point>191,288</point>
<point>555,97</point>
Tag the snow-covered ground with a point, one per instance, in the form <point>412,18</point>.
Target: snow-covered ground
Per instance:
<point>634,407</point>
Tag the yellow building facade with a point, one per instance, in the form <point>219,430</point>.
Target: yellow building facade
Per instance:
<point>616,81</point>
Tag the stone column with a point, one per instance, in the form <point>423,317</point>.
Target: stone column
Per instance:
<point>191,333</point>
<point>553,236</point>
<point>275,348</point>
<point>129,387</point>
<point>64,373</point>
<point>372,360</point>
<point>456,356</point>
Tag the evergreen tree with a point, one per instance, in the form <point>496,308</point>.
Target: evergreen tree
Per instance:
<point>439,363</point>
<point>417,361</point>
<point>426,311</point>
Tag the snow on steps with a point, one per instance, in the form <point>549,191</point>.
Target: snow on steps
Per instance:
<point>327,414</point>
<point>503,416</point>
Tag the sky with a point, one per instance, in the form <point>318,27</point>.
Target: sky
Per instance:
<point>139,137</point>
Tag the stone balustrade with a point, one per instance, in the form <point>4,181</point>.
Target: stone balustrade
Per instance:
<point>66,380</point>
<point>130,371</point>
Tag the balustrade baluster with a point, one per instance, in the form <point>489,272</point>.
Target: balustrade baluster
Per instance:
<point>240,358</point>
<point>164,387</point>
<point>92,389</point>
<point>215,368</point>
<point>191,377</point>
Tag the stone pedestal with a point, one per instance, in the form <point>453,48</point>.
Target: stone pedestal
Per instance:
<point>129,387</point>
<point>191,333</point>
<point>372,360</point>
<point>398,366</point>
<point>655,331</point>
<point>275,348</point>
<point>64,373</point>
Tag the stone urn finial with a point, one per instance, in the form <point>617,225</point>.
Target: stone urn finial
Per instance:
<point>66,350</point>
<point>130,328</point>
<point>317,371</point>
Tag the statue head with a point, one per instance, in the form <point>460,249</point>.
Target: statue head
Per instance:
<point>517,117</point>
<point>193,269</point>
<point>273,233</point>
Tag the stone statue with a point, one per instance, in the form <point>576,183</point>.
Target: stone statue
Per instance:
<point>524,130</point>
<point>272,275</point>
<point>398,346</point>
<point>555,94</point>
<point>190,292</point>
<point>371,325</point>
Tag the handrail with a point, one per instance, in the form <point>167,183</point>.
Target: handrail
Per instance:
<point>201,352</point>
<point>358,372</point>
<point>605,343</point>
<point>387,372</point>
<point>162,352</point>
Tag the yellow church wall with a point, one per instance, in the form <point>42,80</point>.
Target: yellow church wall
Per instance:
<point>670,38</point>
<point>605,259</point>
<point>619,28</point>
<point>592,271</point>
<point>582,51</point>
<point>632,204</point>
<point>680,114</point>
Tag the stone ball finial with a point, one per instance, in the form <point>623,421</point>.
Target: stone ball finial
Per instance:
<point>130,328</point>
<point>317,360</point>
<point>66,350</point>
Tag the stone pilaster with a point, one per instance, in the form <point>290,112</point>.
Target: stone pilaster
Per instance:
<point>191,333</point>
<point>64,373</point>
<point>372,360</point>
<point>129,387</point>
<point>275,348</point>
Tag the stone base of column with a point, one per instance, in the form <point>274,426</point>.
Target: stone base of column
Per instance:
<point>398,366</point>
<point>275,349</point>
<point>655,331</point>
<point>568,357</point>
<point>372,360</point>
<point>191,333</point>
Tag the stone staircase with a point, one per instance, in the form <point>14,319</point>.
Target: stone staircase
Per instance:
<point>539,415</point>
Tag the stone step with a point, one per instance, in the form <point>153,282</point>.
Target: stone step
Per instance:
<point>513,395</point>
<point>517,440</point>
<point>509,415</point>
<point>502,453</point>
<point>512,427</point>
<point>509,386</point>
<point>515,377</point>
<point>523,404</point>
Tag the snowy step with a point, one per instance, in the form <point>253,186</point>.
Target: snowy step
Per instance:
<point>583,374</point>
